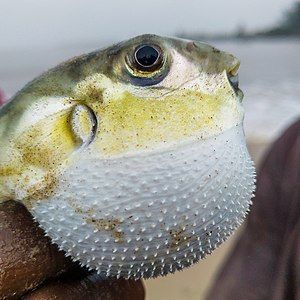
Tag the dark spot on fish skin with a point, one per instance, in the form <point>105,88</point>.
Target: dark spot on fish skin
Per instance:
<point>74,70</point>
<point>178,237</point>
<point>41,191</point>
<point>109,225</point>
<point>92,94</point>
<point>9,171</point>
<point>215,50</point>
<point>190,46</point>
<point>79,67</point>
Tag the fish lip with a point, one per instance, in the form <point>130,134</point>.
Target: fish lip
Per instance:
<point>233,79</point>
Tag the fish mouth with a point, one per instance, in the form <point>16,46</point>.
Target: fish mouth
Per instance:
<point>233,78</point>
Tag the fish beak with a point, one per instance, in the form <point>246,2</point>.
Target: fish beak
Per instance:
<point>234,67</point>
<point>233,77</point>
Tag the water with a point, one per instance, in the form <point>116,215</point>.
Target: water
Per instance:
<point>269,77</point>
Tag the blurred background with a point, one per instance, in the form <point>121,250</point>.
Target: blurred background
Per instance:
<point>263,34</point>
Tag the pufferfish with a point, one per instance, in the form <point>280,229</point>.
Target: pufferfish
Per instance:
<point>133,158</point>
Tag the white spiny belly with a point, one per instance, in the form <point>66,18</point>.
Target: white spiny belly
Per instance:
<point>153,213</point>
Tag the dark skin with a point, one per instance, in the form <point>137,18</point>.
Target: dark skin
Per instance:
<point>33,268</point>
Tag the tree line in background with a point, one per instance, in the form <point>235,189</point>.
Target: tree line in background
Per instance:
<point>289,26</point>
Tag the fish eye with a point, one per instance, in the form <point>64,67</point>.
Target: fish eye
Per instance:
<point>146,64</point>
<point>148,58</point>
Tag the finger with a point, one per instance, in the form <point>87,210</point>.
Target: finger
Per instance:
<point>27,257</point>
<point>91,287</point>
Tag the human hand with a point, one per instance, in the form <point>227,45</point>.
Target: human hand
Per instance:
<point>33,268</point>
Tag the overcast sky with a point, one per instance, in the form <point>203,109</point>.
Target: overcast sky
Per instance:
<point>52,23</point>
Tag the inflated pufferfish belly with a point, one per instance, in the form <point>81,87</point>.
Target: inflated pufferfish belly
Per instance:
<point>154,213</point>
<point>132,159</point>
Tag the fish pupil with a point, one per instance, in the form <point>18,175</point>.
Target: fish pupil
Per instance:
<point>146,56</point>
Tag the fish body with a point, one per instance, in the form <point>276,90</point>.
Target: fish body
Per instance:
<point>132,158</point>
